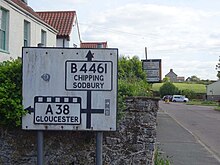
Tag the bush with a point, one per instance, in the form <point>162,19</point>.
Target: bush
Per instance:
<point>168,88</point>
<point>11,109</point>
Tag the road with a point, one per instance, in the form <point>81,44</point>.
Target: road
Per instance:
<point>195,127</point>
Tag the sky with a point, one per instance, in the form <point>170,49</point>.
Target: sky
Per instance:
<point>184,34</point>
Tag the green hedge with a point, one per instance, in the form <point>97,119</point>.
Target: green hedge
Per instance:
<point>11,109</point>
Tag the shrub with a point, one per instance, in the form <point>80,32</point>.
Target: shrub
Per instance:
<point>168,88</point>
<point>11,108</point>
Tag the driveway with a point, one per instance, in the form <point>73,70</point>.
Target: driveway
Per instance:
<point>189,133</point>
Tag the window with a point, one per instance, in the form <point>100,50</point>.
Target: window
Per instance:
<point>26,33</point>
<point>4,29</point>
<point>44,38</point>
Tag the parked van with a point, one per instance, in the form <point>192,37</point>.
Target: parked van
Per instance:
<point>179,98</point>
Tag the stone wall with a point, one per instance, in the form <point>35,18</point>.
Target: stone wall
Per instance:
<point>133,143</point>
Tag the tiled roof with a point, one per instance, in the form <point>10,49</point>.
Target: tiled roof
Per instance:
<point>29,11</point>
<point>93,44</point>
<point>60,20</point>
<point>27,8</point>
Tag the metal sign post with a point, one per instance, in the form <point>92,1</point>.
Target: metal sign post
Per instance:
<point>40,147</point>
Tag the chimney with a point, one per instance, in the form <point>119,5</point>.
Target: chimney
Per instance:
<point>171,70</point>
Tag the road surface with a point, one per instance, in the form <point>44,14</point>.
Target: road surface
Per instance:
<point>189,134</point>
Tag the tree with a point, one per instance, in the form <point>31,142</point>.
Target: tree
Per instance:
<point>194,79</point>
<point>217,67</point>
<point>166,79</point>
<point>168,88</point>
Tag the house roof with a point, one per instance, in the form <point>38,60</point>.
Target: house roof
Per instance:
<point>93,44</point>
<point>171,73</point>
<point>27,8</point>
<point>60,20</point>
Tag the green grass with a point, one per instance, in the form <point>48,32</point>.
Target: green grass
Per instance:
<point>197,88</point>
<point>201,102</point>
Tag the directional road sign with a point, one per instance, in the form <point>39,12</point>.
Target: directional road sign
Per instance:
<point>70,89</point>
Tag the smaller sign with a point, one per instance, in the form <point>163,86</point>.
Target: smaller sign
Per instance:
<point>152,68</point>
<point>57,110</point>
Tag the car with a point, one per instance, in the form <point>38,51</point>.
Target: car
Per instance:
<point>179,98</point>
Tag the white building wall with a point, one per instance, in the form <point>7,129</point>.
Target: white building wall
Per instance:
<point>16,28</point>
<point>63,43</point>
<point>214,88</point>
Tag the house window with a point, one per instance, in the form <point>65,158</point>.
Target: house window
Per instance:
<point>44,38</point>
<point>4,29</point>
<point>26,33</point>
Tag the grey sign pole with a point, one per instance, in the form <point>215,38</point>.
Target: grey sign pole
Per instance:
<point>40,147</point>
<point>40,140</point>
<point>99,138</point>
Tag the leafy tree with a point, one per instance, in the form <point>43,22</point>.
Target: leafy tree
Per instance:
<point>11,108</point>
<point>166,79</point>
<point>194,79</point>
<point>130,69</point>
<point>168,88</point>
<point>217,67</point>
<point>188,93</point>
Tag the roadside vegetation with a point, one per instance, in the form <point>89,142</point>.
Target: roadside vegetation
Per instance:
<point>159,159</point>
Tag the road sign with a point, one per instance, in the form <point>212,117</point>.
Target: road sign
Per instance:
<point>70,89</point>
<point>153,69</point>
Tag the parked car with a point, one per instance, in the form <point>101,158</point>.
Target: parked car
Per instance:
<point>179,98</point>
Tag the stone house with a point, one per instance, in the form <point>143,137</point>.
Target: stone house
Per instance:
<point>213,91</point>
<point>173,77</point>
<point>66,23</point>
<point>21,26</point>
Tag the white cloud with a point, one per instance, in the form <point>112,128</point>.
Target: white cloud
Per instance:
<point>180,34</point>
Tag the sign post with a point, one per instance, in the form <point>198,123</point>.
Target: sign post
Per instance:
<point>70,89</point>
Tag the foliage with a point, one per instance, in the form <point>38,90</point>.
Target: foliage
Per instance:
<point>166,79</point>
<point>11,108</point>
<point>217,67</point>
<point>130,68</point>
<point>168,88</point>
<point>188,93</point>
<point>159,160</point>
<point>193,79</point>
<point>132,81</point>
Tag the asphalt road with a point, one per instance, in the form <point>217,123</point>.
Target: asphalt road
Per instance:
<point>189,134</point>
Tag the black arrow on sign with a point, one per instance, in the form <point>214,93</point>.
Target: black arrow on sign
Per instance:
<point>89,56</point>
<point>29,109</point>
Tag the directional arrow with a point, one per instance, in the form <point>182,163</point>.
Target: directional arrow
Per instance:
<point>89,56</point>
<point>29,109</point>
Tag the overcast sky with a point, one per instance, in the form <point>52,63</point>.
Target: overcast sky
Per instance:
<point>185,34</point>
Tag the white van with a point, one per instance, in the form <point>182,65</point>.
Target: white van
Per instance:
<point>179,98</point>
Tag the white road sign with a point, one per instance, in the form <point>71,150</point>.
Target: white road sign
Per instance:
<point>70,89</point>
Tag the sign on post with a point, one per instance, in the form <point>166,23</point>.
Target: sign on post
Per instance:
<point>70,89</point>
<point>153,69</point>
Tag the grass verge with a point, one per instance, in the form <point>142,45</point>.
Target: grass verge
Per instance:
<point>159,159</point>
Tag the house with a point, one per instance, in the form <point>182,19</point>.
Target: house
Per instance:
<point>213,91</point>
<point>21,26</point>
<point>65,22</point>
<point>93,45</point>
<point>173,77</point>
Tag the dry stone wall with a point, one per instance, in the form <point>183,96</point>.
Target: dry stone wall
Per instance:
<point>132,144</point>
